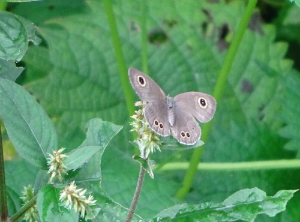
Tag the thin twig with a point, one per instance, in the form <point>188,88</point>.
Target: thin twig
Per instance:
<point>137,193</point>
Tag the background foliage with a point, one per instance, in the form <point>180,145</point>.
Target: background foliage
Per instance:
<point>74,76</point>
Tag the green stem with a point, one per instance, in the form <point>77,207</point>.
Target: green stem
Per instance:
<point>3,5</point>
<point>23,210</point>
<point>144,38</point>
<point>237,166</point>
<point>3,200</point>
<point>218,91</point>
<point>119,57</point>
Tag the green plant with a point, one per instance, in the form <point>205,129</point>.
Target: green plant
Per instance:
<point>77,74</point>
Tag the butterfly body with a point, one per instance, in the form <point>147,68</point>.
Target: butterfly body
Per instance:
<point>166,115</point>
<point>171,110</point>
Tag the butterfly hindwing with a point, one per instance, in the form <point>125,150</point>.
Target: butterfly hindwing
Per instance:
<point>186,129</point>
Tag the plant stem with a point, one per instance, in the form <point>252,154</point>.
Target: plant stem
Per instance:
<point>218,91</point>
<point>144,38</point>
<point>120,57</point>
<point>137,193</point>
<point>23,210</point>
<point>3,200</point>
<point>3,5</point>
<point>253,165</point>
<point>139,186</point>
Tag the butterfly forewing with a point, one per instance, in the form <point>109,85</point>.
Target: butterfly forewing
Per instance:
<point>144,86</point>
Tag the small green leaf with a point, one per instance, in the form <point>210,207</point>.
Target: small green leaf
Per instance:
<point>28,126</point>
<point>13,37</point>
<point>297,2</point>
<point>8,70</point>
<point>30,30</point>
<point>99,132</point>
<point>147,164</point>
<point>79,156</point>
<point>49,206</point>
<point>243,205</point>
<point>15,34</point>
<point>92,213</point>
<point>171,143</point>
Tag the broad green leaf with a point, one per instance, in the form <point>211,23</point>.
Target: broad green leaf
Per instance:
<point>15,33</point>
<point>109,209</point>
<point>290,99</point>
<point>14,201</point>
<point>19,173</point>
<point>28,126</point>
<point>297,2</point>
<point>243,205</point>
<point>50,208</point>
<point>8,70</point>
<point>98,135</point>
<point>158,191</point>
<point>79,156</point>
<point>42,178</point>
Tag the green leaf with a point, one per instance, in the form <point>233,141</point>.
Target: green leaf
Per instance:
<point>297,2</point>
<point>147,164</point>
<point>243,205</point>
<point>158,191</point>
<point>30,30</point>
<point>15,34</point>
<point>290,100</point>
<point>28,126</point>
<point>8,70</point>
<point>99,134</point>
<point>19,174</point>
<point>49,206</point>
<point>79,156</point>
<point>14,201</point>
<point>42,178</point>
<point>109,210</point>
<point>172,143</point>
